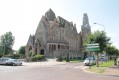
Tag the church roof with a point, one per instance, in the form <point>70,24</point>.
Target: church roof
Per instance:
<point>50,15</point>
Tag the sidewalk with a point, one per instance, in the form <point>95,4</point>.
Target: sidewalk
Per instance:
<point>114,70</point>
<point>49,62</point>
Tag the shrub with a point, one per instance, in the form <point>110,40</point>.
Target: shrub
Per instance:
<point>15,56</point>
<point>67,60</point>
<point>37,57</point>
<point>59,58</point>
<point>1,55</point>
<point>9,55</point>
<point>22,56</point>
<point>33,59</point>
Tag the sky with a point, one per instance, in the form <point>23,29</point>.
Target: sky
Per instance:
<point>21,17</point>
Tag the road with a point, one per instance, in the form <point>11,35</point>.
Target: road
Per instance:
<point>65,71</point>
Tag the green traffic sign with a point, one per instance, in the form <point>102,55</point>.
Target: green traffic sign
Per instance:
<point>93,49</point>
<point>95,44</point>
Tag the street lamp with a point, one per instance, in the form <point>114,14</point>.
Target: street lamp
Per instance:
<point>101,25</point>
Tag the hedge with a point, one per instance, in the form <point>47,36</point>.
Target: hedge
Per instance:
<point>16,56</point>
<point>1,55</point>
<point>37,57</point>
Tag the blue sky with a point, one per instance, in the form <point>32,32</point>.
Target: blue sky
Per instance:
<point>21,17</point>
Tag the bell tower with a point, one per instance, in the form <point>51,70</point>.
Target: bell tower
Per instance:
<point>85,28</point>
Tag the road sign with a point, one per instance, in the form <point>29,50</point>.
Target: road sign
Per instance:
<point>93,47</point>
<point>96,44</point>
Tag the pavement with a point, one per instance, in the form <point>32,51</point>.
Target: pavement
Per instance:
<point>52,70</point>
<point>49,62</point>
<point>114,70</point>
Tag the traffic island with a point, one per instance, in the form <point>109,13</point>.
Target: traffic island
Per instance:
<point>102,67</point>
<point>97,69</point>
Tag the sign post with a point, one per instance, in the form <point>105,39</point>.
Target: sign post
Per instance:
<point>92,48</point>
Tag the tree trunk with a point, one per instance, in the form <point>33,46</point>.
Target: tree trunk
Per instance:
<point>97,62</point>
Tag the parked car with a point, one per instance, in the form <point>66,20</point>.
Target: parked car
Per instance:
<point>14,62</point>
<point>92,61</point>
<point>104,57</point>
<point>3,61</point>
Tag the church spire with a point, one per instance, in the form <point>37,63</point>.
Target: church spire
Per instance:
<point>85,19</point>
<point>85,28</point>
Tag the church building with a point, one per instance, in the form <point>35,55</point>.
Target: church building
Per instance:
<point>56,36</point>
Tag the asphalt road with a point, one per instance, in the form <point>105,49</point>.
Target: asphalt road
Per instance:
<point>68,71</point>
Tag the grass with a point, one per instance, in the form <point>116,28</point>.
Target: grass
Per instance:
<point>102,67</point>
<point>107,64</point>
<point>97,69</point>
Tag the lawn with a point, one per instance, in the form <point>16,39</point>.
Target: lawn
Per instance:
<point>102,67</point>
<point>97,69</point>
<point>107,64</point>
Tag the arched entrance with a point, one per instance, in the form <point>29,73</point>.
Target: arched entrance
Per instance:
<point>42,52</point>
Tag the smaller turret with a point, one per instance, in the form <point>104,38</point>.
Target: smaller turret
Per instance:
<point>85,19</point>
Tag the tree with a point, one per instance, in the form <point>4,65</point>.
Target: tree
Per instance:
<point>22,50</point>
<point>6,43</point>
<point>112,51</point>
<point>98,37</point>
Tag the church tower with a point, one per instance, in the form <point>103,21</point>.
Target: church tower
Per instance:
<point>85,28</point>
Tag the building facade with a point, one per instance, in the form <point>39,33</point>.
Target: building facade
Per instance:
<point>57,37</point>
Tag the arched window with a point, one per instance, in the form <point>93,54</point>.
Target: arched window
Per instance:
<point>54,47</point>
<point>58,47</point>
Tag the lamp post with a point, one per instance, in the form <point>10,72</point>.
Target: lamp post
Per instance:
<point>100,25</point>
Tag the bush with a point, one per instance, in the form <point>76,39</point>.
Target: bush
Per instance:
<point>22,56</point>
<point>67,60</point>
<point>59,59</point>
<point>37,57</point>
<point>15,56</point>
<point>33,59</point>
<point>9,55</point>
<point>1,55</point>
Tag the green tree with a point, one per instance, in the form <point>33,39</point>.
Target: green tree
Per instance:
<point>6,43</point>
<point>22,50</point>
<point>98,37</point>
<point>112,51</point>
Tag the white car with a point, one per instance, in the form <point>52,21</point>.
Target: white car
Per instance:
<point>3,61</point>
<point>14,62</point>
<point>92,61</point>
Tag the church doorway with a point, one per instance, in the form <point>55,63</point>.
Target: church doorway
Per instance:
<point>42,52</point>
